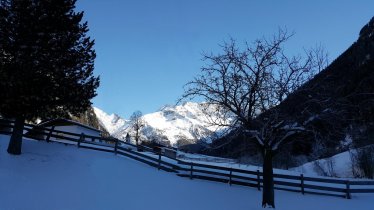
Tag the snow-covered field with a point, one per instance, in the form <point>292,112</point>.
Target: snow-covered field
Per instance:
<point>55,176</point>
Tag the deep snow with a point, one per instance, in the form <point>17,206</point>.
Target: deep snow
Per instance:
<point>55,176</point>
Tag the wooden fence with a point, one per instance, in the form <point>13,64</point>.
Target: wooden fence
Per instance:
<point>303,184</point>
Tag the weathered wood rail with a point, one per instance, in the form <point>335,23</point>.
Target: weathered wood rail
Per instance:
<point>303,184</point>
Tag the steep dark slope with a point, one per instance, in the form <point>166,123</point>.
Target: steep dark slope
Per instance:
<point>341,97</point>
<point>338,104</point>
<point>348,78</point>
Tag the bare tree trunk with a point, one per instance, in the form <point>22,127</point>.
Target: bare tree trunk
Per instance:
<point>137,137</point>
<point>15,143</point>
<point>268,180</point>
<point>137,141</point>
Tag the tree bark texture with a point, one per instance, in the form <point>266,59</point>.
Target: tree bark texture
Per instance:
<point>137,137</point>
<point>15,143</point>
<point>268,180</point>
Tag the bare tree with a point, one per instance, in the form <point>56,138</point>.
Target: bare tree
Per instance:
<point>137,123</point>
<point>246,84</point>
<point>127,138</point>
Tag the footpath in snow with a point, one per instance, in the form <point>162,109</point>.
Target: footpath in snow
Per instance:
<point>54,176</point>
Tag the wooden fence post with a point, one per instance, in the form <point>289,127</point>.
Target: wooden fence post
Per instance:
<point>81,138</point>
<point>230,180</point>
<point>49,134</point>
<point>116,146</point>
<point>347,190</point>
<point>159,161</point>
<point>302,183</point>
<point>191,170</point>
<point>258,180</point>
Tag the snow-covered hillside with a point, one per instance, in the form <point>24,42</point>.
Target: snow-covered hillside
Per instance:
<point>184,123</point>
<point>54,176</point>
<point>340,165</point>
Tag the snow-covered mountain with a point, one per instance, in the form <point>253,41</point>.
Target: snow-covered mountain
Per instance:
<point>111,123</point>
<point>178,125</point>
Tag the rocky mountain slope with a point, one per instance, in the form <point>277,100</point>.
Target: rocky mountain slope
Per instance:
<point>339,101</point>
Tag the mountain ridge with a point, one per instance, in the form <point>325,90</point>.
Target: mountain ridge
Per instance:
<point>171,125</point>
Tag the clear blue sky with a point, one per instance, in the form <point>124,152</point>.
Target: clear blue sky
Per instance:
<point>147,50</point>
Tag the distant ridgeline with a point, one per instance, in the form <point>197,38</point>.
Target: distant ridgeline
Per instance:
<point>338,104</point>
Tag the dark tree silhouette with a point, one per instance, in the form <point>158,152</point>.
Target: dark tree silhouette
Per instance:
<point>247,84</point>
<point>46,62</point>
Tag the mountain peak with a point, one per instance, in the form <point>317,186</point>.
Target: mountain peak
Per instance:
<point>111,122</point>
<point>184,123</point>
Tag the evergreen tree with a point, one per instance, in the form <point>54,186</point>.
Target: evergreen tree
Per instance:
<point>46,62</point>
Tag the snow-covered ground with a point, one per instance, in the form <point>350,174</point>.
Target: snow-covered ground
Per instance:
<point>339,165</point>
<point>55,176</point>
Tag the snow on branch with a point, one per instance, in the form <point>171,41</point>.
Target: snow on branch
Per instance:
<point>291,130</point>
<point>255,134</point>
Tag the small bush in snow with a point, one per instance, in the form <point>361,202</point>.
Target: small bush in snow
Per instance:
<point>325,168</point>
<point>363,162</point>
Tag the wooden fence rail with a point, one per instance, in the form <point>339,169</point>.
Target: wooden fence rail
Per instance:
<point>294,183</point>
